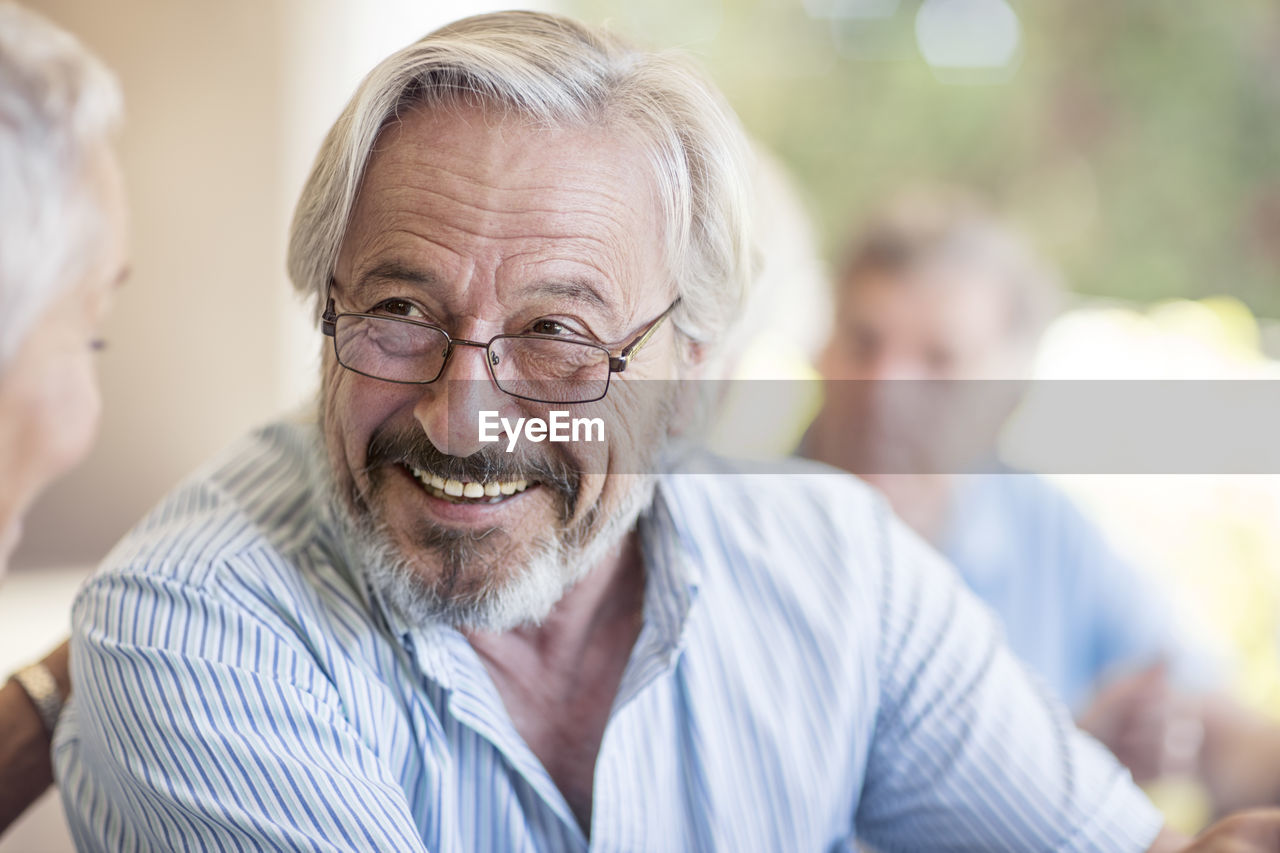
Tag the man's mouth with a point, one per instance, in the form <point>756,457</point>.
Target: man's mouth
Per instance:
<point>468,492</point>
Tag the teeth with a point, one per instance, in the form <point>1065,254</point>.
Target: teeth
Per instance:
<point>471,490</point>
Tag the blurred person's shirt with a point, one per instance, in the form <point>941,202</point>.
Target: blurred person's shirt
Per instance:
<point>807,669</point>
<point>1074,609</point>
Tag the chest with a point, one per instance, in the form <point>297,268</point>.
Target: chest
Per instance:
<point>565,735</point>
<point>711,755</point>
<point>561,711</point>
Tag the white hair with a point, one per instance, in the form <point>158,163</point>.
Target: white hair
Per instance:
<point>557,72</point>
<point>57,103</point>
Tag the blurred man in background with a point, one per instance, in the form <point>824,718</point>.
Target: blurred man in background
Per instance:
<point>62,252</point>
<point>934,295</point>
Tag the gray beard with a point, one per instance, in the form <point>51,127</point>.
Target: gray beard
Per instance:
<point>479,586</point>
<point>524,595</point>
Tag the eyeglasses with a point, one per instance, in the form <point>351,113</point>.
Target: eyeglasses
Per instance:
<point>541,368</point>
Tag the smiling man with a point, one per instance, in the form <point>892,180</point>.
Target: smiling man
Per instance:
<point>375,630</point>
<point>535,254</point>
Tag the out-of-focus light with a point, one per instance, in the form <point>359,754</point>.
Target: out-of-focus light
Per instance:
<point>852,10</point>
<point>968,34</point>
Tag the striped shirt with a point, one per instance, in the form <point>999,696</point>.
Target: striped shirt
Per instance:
<point>807,673</point>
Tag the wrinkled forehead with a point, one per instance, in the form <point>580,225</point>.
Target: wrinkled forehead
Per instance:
<point>934,285</point>
<point>459,191</point>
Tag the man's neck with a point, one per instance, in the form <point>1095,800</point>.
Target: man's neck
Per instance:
<point>558,680</point>
<point>923,501</point>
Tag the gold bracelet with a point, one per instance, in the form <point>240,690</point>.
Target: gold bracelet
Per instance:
<point>42,689</point>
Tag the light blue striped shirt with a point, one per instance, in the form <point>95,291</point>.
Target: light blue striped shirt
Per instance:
<point>1072,607</point>
<point>807,672</point>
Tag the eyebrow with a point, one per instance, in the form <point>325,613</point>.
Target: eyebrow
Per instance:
<point>396,271</point>
<point>576,289</point>
<point>579,290</point>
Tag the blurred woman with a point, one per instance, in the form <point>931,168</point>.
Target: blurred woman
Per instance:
<point>62,253</point>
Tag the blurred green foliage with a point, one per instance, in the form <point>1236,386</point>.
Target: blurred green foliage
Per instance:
<point>1137,142</point>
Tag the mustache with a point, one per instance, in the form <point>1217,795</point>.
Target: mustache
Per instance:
<point>391,446</point>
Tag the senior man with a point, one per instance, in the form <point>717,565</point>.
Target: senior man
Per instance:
<point>375,631</point>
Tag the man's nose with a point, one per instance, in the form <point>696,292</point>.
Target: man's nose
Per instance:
<point>449,409</point>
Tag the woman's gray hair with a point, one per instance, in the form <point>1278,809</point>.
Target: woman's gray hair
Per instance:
<point>557,72</point>
<point>57,103</point>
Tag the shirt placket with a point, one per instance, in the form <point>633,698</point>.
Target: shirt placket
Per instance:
<point>618,822</point>
<point>473,701</point>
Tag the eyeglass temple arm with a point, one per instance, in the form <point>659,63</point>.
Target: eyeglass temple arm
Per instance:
<point>329,319</point>
<point>619,362</point>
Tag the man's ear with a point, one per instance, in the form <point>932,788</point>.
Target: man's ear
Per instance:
<point>693,357</point>
<point>694,400</point>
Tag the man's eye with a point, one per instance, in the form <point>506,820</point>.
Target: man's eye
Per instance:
<point>549,327</point>
<point>397,308</point>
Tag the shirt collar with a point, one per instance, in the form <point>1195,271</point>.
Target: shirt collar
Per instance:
<point>672,573</point>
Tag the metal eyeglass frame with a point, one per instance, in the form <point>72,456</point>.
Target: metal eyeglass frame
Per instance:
<point>617,363</point>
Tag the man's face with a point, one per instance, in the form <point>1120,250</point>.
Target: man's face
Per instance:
<point>934,323</point>
<point>483,225</point>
